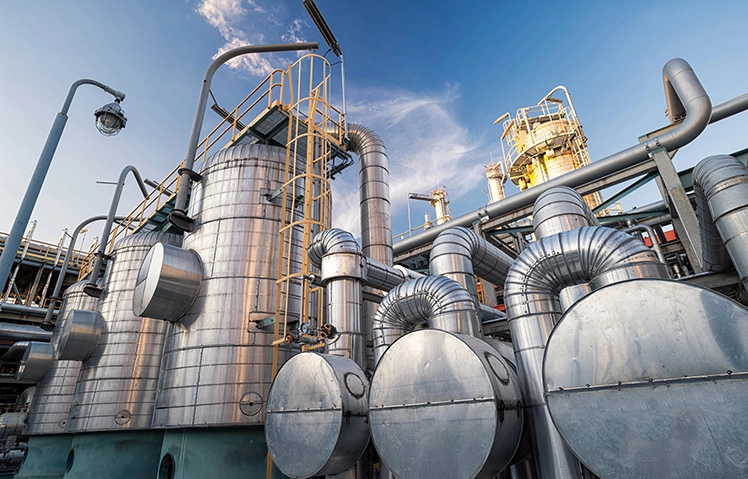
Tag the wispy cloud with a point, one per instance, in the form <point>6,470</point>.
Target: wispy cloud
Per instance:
<point>233,20</point>
<point>426,143</point>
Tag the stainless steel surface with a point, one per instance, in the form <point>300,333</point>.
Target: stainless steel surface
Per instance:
<point>36,362</point>
<point>77,338</point>
<point>459,254</point>
<point>560,209</point>
<point>168,282</point>
<point>316,415</point>
<point>23,332</point>
<point>723,182</point>
<point>647,379</point>
<point>376,218</point>
<point>343,271</point>
<point>679,78</point>
<point>374,176</point>
<point>594,255</point>
<point>436,300</point>
<point>54,393</point>
<point>217,365</point>
<point>117,383</point>
<point>444,405</point>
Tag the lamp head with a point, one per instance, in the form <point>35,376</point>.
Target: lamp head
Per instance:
<point>110,119</point>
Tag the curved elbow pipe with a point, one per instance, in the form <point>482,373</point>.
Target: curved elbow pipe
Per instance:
<point>459,253</point>
<point>560,209</point>
<point>691,94</point>
<point>594,255</point>
<point>436,300</point>
<point>721,186</point>
<point>374,188</point>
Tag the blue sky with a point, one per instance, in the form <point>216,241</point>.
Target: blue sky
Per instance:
<point>429,77</point>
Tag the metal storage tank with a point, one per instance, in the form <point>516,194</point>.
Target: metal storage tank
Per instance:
<point>115,392</point>
<point>217,364</point>
<point>48,444</point>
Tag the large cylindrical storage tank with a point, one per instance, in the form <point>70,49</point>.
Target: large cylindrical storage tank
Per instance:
<point>48,444</point>
<point>116,389</point>
<point>217,364</point>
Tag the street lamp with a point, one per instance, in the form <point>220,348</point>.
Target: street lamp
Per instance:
<point>109,120</point>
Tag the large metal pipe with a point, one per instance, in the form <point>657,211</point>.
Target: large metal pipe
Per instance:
<point>594,255</point>
<point>374,191</point>
<point>680,82</point>
<point>92,288</point>
<point>22,332</point>
<point>337,254</point>
<point>459,254</point>
<point>344,270</point>
<point>722,183</point>
<point>436,300</point>
<point>560,209</point>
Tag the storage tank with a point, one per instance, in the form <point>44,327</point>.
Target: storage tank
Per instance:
<point>115,393</point>
<point>48,445</point>
<point>217,362</point>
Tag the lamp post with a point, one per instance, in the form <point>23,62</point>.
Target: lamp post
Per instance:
<point>110,119</point>
<point>178,217</point>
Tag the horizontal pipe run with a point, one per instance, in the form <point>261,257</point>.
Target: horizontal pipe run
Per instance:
<point>679,76</point>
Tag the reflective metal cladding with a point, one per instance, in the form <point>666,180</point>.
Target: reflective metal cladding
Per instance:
<point>216,366</point>
<point>117,383</point>
<point>51,402</point>
<point>653,384</point>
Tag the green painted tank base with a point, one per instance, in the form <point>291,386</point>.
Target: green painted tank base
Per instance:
<point>225,453</point>
<point>114,455</point>
<point>46,457</point>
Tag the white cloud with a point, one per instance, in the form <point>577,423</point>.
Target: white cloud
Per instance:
<point>427,147</point>
<point>230,18</point>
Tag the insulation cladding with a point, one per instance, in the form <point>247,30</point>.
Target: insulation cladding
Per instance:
<point>117,383</point>
<point>51,403</point>
<point>216,367</point>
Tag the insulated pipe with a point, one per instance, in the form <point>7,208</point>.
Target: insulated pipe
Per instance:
<point>560,209</point>
<point>594,255</point>
<point>337,255</point>
<point>22,332</point>
<point>93,289</point>
<point>680,79</point>
<point>441,302</point>
<point>374,192</point>
<point>178,216</point>
<point>722,181</point>
<point>29,310</point>
<point>64,269</point>
<point>459,254</point>
<point>652,237</point>
<point>16,351</point>
<point>714,256</point>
